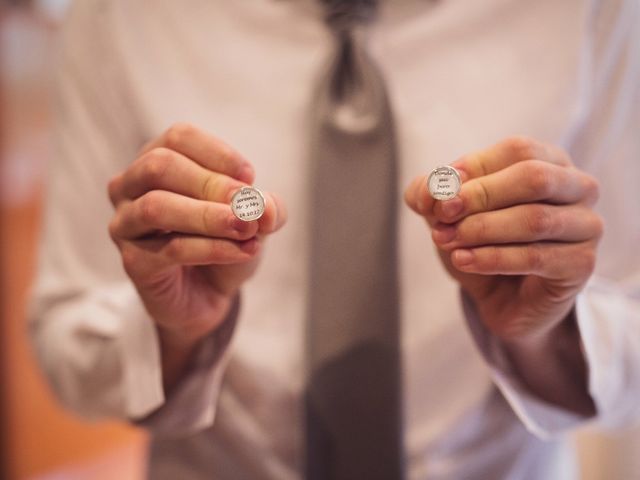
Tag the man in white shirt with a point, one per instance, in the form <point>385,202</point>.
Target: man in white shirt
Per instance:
<point>537,345</point>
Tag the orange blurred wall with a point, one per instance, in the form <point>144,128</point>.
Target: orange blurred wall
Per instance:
<point>40,439</point>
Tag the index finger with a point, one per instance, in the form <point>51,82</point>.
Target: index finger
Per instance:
<point>530,181</point>
<point>509,152</point>
<point>204,149</point>
<point>495,158</point>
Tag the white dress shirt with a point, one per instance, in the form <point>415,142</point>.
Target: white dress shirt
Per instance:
<point>462,75</point>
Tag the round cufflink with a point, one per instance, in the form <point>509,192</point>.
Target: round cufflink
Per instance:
<point>247,204</point>
<point>444,183</point>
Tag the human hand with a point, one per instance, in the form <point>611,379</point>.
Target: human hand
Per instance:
<point>181,245</point>
<point>521,236</point>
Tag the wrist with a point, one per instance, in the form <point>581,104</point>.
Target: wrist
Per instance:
<point>180,340</point>
<point>177,353</point>
<point>186,333</point>
<point>553,366</point>
<point>179,345</point>
<point>552,333</point>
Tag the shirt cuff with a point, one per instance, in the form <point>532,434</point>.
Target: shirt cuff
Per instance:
<point>191,405</point>
<point>539,417</point>
<point>139,356</point>
<point>609,326</point>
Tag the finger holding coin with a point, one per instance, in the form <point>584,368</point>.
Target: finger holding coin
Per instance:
<point>161,212</point>
<point>479,174</point>
<point>167,170</point>
<point>205,149</point>
<point>513,176</point>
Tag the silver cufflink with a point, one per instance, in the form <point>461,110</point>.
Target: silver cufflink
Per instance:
<point>444,183</point>
<point>247,204</point>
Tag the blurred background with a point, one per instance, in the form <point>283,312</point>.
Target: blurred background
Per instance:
<point>38,440</point>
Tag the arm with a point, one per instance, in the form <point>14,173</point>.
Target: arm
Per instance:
<point>554,367</point>
<point>583,361</point>
<point>521,241</point>
<point>130,342</point>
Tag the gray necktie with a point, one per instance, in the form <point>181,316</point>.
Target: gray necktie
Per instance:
<point>353,403</point>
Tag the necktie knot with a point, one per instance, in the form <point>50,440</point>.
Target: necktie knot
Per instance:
<point>342,15</point>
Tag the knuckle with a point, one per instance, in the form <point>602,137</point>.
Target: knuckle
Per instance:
<point>156,164</point>
<point>492,259</point>
<point>534,258</point>
<point>539,178</point>
<point>129,259</point>
<point>150,208</point>
<point>207,190</point>
<point>207,218</point>
<point>522,147</point>
<point>174,249</point>
<point>539,220</point>
<point>226,153</point>
<point>178,134</point>
<point>477,231</point>
<point>227,189</point>
<point>219,188</point>
<point>483,196</point>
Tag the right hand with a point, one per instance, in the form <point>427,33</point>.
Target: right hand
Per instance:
<point>181,245</point>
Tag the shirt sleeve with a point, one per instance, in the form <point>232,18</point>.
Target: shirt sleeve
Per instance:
<point>606,145</point>
<point>92,336</point>
<point>192,404</point>
<point>605,317</point>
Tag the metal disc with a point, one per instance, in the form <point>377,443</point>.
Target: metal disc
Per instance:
<point>247,204</point>
<point>444,183</point>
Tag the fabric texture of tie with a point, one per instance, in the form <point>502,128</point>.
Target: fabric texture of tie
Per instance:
<point>353,402</point>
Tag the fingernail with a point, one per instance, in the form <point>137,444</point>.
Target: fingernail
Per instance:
<point>241,226</point>
<point>462,257</point>
<point>444,233</point>
<point>250,246</point>
<point>451,208</point>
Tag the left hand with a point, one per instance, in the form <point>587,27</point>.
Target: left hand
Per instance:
<point>521,236</point>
